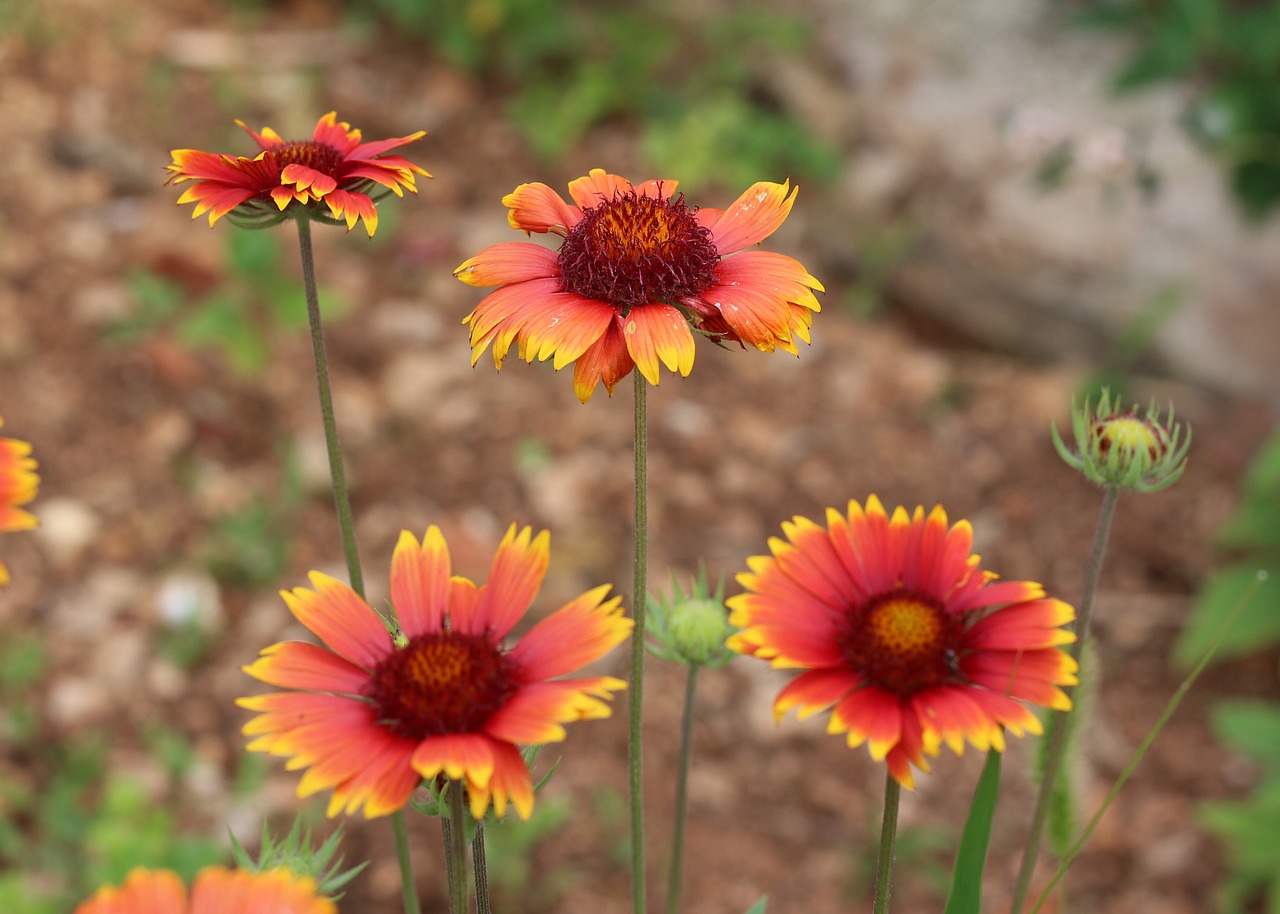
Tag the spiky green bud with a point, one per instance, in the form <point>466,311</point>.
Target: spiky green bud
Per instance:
<point>690,628</point>
<point>1124,447</point>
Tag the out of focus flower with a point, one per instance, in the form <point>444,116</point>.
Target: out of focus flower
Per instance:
<point>375,715</point>
<point>637,274</point>
<point>18,484</point>
<point>216,890</point>
<point>1121,447</point>
<point>331,176</point>
<point>895,628</point>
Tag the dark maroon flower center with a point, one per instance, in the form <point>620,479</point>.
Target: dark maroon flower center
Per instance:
<point>903,642</point>
<point>633,250</point>
<point>439,683</point>
<point>320,157</point>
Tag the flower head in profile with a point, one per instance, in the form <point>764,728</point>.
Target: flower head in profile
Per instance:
<point>370,715</point>
<point>1126,448</point>
<point>216,890</point>
<point>331,176</point>
<point>18,484</point>
<point>637,273</point>
<point>899,633</point>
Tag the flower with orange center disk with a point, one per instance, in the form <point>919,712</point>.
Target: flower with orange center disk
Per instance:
<point>900,633</point>
<point>216,890</point>
<point>18,484</point>
<point>638,271</point>
<point>333,167</point>
<point>374,716</point>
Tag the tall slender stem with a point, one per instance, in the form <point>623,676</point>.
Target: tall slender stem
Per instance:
<point>1058,720</point>
<point>888,843</point>
<point>342,502</point>
<point>480,871</point>
<point>639,598</point>
<point>456,835</point>
<point>682,791</point>
<point>341,498</point>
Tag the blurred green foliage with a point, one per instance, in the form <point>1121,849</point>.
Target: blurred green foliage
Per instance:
<point>1247,828</point>
<point>690,75</point>
<point>1228,54</point>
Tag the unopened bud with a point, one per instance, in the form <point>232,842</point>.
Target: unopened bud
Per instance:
<point>1124,447</point>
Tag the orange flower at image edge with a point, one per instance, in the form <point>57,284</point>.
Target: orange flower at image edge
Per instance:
<point>216,890</point>
<point>372,718</point>
<point>637,272</point>
<point>901,635</point>
<point>18,485</point>
<point>333,167</point>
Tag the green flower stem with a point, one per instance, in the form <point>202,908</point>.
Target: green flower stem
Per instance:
<point>342,501</point>
<point>682,791</point>
<point>888,843</point>
<point>1058,720</point>
<point>480,871</point>
<point>639,598</point>
<point>1170,706</point>
<point>458,850</point>
<point>408,890</point>
<point>341,498</point>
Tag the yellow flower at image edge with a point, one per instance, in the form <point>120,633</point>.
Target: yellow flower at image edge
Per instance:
<point>372,718</point>
<point>18,485</point>
<point>637,272</point>
<point>333,168</point>
<point>899,633</point>
<point>216,890</point>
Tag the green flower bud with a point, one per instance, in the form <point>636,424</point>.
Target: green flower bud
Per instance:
<point>690,628</point>
<point>1124,448</point>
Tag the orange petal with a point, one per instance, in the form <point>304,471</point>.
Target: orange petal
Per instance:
<point>753,217</point>
<point>517,571</point>
<point>341,618</point>
<point>656,333</point>
<point>420,582</point>
<point>577,634</point>
<point>457,756</point>
<point>510,782</point>
<point>299,665</point>
<point>870,715</point>
<point>606,360</point>
<point>538,208</point>
<point>509,262</point>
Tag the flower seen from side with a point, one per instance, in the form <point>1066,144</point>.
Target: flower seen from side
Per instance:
<point>895,628</point>
<point>370,716</point>
<point>638,272</point>
<point>333,176</point>
<point>18,484</point>
<point>1118,446</point>
<point>216,890</point>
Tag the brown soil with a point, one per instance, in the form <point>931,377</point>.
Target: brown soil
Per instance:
<point>143,445</point>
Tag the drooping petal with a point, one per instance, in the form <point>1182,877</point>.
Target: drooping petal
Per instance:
<point>350,206</point>
<point>563,325</point>
<point>510,783</point>
<point>606,360</point>
<point>658,333</point>
<point>456,756</point>
<point>814,691</point>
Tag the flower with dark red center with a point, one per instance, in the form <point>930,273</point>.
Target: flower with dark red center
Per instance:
<point>901,635</point>
<point>216,890</point>
<point>18,484</point>
<point>330,176</point>
<point>373,716</point>
<point>638,272</point>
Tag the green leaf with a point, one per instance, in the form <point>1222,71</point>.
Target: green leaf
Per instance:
<point>759,906</point>
<point>1251,727</point>
<point>971,857</point>
<point>1258,588</point>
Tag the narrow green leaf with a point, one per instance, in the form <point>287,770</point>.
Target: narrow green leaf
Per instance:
<point>971,857</point>
<point>759,906</point>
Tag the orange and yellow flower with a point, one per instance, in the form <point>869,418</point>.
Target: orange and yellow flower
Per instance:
<point>898,631</point>
<point>637,273</point>
<point>18,484</point>
<point>333,168</point>
<point>216,890</point>
<point>375,715</point>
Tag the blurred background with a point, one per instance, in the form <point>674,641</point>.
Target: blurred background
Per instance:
<point>1010,204</point>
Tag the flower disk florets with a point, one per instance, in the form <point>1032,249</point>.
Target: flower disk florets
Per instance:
<point>635,249</point>
<point>319,157</point>
<point>903,642</point>
<point>1125,448</point>
<point>440,682</point>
